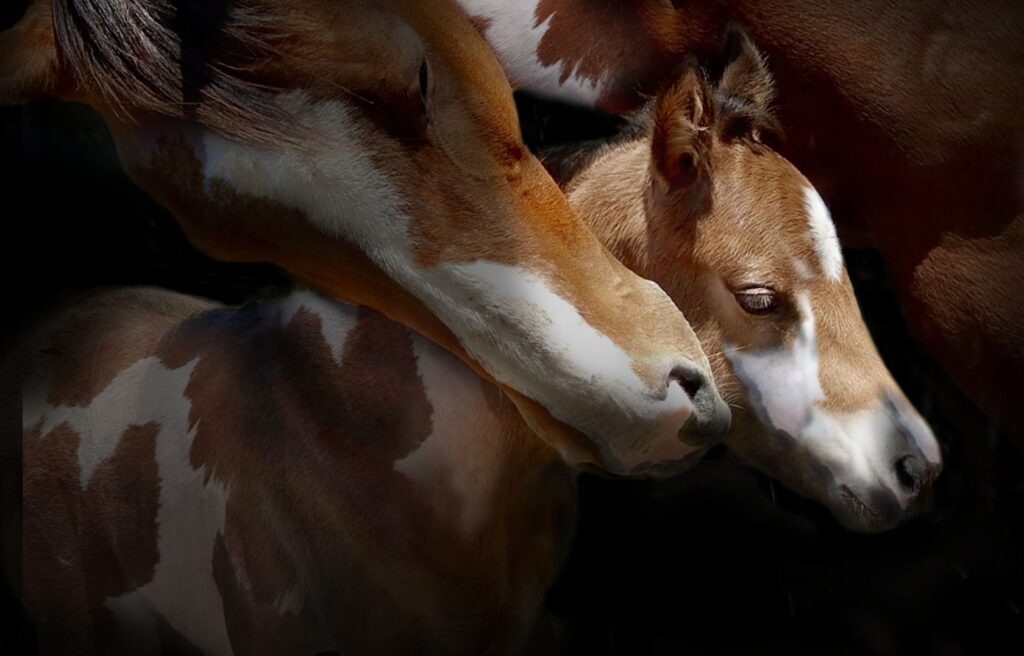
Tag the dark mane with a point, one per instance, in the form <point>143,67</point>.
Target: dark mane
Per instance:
<point>565,161</point>
<point>179,58</point>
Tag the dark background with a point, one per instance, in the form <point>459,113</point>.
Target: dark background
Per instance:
<point>720,561</point>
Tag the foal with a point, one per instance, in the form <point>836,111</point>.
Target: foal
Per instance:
<point>746,248</point>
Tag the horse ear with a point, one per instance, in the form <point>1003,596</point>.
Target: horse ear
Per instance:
<point>28,56</point>
<point>746,89</point>
<point>682,117</point>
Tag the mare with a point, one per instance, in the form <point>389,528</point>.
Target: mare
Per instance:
<point>372,151</point>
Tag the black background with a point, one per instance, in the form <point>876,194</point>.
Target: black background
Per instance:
<point>720,561</point>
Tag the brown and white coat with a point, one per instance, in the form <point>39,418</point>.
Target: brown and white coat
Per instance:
<point>301,475</point>
<point>292,477</point>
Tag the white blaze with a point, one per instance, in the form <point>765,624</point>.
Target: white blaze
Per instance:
<point>823,235</point>
<point>783,381</point>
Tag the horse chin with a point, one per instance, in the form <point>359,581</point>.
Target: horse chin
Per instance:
<point>656,470</point>
<point>670,468</point>
<point>855,511</point>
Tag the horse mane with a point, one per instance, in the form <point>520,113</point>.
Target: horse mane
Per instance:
<point>178,58</point>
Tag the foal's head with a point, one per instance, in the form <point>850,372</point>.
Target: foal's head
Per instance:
<point>746,247</point>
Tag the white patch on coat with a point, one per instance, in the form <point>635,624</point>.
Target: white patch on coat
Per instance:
<point>190,513</point>
<point>189,519</point>
<point>823,235</point>
<point>334,183</point>
<point>869,442</point>
<point>515,36</point>
<point>464,452</point>
<point>101,424</point>
<point>783,382</point>
<point>336,319</point>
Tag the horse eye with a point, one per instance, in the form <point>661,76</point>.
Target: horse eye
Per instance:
<point>758,301</point>
<point>423,81</point>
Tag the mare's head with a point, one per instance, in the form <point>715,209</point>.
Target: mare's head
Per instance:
<point>372,150</point>
<point>746,247</point>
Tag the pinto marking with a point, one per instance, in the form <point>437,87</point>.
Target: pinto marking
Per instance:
<point>546,347</point>
<point>191,509</point>
<point>190,517</point>
<point>514,31</point>
<point>117,408</point>
<point>296,504</point>
<point>875,76</point>
<point>335,325</point>
<point>452,462</point>
<point>335,184</point>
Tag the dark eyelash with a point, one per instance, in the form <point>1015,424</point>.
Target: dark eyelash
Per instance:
<point>760,302</point>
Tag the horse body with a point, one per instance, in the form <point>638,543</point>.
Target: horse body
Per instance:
<point>181,486</point>
<point>371,149</point>
<point>905,115</point>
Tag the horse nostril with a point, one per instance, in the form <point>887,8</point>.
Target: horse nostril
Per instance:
<point>911,472</point>
<point>691,380</point>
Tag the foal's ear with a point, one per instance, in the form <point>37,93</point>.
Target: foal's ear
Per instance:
<point>28,56</point>
<point>745,92</point>
<point>681,134</point>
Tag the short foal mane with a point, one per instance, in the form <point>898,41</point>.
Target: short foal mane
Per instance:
<point>735,93</point>
<point>178,58</point>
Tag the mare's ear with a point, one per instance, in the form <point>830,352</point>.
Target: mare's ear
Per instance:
<point>745,92</point>
<point>28,56</point>
<point>681,130</point>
